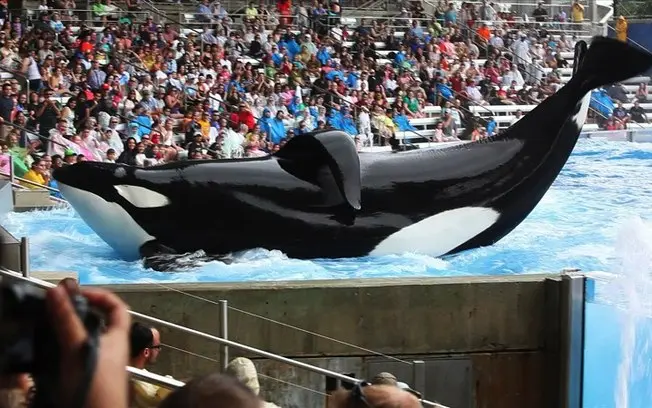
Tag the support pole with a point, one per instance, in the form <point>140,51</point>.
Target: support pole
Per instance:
<point>224,333</point>
<point>24,257</point>
<point>419,377</point>
<point>12,176</point>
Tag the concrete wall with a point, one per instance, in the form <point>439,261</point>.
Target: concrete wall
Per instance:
<point>487,341</point>
<point>6,198</point>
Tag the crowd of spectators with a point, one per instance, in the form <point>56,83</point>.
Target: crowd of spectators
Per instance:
<point>143,93</point>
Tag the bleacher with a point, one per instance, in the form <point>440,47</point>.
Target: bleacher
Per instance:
<point>502,114</point>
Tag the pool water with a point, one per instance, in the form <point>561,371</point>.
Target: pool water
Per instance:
<point>596,217</point>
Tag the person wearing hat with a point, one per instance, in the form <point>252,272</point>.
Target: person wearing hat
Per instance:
<point>132,131</point>
<point>70,157</point>
<point>197,146</point>
<point>245,371</point>
<point>389,379</point>
<point>384,378</point>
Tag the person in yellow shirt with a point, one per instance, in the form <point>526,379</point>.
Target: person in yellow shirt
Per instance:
<point>577,13</point>
<point>145,346</point>
<point>251,13</point>
<point>38,175</point>
<point>621,29</point>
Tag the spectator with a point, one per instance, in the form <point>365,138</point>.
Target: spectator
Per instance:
<point>212,391</point>
<point>577,13</point>
<point>618,92</point>
<point>364,396</point>
<point>37,175</point>
<point>637,114</point>
<point>144,346</point>
<point>621,115</point>
<point>641,93</point>
<point>540,13</point>
<point>621,29</point>
<point>244,371</point>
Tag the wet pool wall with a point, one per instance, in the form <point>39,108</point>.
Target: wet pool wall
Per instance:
<point>490,342</point>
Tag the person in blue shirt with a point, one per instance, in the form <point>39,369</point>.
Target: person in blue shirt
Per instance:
<point>144,122</point>
<point>416,29</point>
<point>277,129</point>
<point>491,127</point>
<point>265,122</point>
<point>450,16</point>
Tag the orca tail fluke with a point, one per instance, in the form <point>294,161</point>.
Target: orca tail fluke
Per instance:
<point>608,61</point>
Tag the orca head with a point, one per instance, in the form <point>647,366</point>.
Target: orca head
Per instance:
<point>110,198</point>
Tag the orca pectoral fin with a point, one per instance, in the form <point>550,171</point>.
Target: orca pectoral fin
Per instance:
<point>157,256</point>
<point>328,160</point>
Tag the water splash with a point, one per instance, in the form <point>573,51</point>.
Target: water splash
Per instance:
<point>630,291</point>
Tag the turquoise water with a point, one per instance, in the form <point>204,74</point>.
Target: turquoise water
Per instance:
<point>597,217</point>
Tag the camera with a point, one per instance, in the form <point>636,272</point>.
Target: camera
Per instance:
<point>28,341</point>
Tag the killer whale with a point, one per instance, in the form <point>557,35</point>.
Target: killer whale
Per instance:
<point>317,198</point>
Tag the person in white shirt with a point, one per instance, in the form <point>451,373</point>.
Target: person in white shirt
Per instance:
<point>517,116</point>
<point>513,75</point>
<point>521,50</point>
<point>110,156</point>
<point>364,127</point>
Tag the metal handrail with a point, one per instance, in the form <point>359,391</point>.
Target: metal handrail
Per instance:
<point>153,378</point>
<point>90,12</point>
<point>17,73</point>
<point>22,180</point>
<point>138,373</point>
<point>224,342</point>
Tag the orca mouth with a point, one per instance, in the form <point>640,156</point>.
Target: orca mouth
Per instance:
<point>91,175</point>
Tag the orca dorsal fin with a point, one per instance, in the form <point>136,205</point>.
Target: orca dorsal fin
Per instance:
<point>326,159</point>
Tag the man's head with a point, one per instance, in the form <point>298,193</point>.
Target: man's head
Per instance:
<point>6,90</point>
<point>215,391</point>
<point>144,344</point>
<point>373,396</point>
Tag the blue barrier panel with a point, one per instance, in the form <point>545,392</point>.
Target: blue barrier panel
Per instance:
<point>638,32</point>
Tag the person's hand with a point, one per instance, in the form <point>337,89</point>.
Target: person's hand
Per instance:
<point>109,387</point>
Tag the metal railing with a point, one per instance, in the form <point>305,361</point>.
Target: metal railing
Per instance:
<point>144,375</point>
<point>20,182</point>
<point>19,74</point>
<point>224,343</point>
<point>87,15</point>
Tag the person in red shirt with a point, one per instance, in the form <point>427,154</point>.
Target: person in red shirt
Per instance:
<point>245,116</point>
<point>457,82</point>
<point>86,46</point>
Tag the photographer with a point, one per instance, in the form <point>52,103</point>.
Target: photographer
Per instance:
<point>108,381</point>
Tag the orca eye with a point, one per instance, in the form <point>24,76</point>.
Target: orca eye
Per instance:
<point>120,172</point>
<point>142,197</point>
